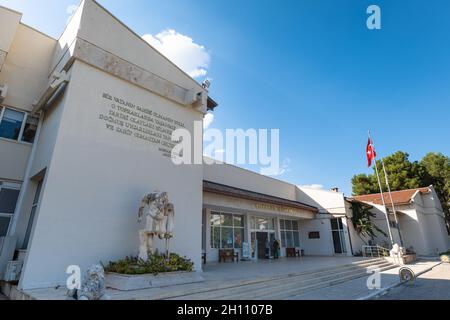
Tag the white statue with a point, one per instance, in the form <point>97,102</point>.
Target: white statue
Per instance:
<point>396,251</point>
<point>159,222</point>
<point>170,224</point>
<point>93,287</point>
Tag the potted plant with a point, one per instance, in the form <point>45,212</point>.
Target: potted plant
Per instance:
<point>445,256</point>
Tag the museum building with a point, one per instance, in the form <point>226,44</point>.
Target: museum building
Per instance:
<point>85,133</point>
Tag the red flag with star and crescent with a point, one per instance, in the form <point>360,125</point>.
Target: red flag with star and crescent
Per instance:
<point>370,152</point>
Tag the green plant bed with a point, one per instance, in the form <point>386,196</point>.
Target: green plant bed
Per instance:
<point>445,256</point>
<point>156,264</point>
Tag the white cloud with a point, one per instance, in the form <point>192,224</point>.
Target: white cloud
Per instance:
<point>208,120</point>
<point>313,186</point>
<point>285,167</point>
<point>181,50</point>
<point>70,10</point>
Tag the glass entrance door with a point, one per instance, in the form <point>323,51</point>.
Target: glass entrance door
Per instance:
<point>262,241</point>
<point>262,237</point>
<point>337,231</point>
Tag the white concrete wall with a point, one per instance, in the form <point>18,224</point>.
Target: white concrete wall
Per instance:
<point>327,201</point>
<point>14,158</point>
<point>25,72</point>
<point>105,175</point>
<point>234,176</point>
<point>41,162</point>
<point>421,222</point>
<point>9,20</point>
<point>412,232</point>
<point>432,223</point>
<point>317,247</point>
<point>26,67</point>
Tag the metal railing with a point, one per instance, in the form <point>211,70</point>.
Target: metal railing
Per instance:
<point>374,251</point>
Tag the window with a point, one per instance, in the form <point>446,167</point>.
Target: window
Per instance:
<point>9,193</point>
<point>17,125</point>
<point>393,224</point>
<point>227,230</point>
<point>262,224</point>
<point>33,212</point>
<point>314,235</point>
<point>290,236</point>
<point>30,128</point>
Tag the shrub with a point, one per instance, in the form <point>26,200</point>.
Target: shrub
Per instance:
<point>156,263</point>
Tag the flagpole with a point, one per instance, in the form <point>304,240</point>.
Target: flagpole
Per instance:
<point>393,206</point>
<point>382,197</point>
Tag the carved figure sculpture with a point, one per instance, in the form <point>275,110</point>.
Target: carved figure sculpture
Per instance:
<point>93,287</point>
<point>159,214</point>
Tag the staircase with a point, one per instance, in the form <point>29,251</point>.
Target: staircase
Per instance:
<point>284,287</point>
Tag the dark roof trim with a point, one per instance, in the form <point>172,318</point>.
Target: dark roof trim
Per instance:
<point>211,104</point>
<point>353,200</point>
<point>218,188</point>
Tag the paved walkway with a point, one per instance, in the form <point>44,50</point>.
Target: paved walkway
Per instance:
<point>2,297</point>
<point>357,289</point>
<point>228,274</point>
<point>219,275</point>
<point>433,285</point>
<point>249,270</point>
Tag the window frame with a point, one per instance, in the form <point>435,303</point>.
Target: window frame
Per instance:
<point>284,231</point>
<point>10,186</point>
<point>221,226</point>
<point>22,128</point>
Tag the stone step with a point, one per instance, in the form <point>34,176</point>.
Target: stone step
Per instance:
<point>296,281</point>
<point>302,278</point>
<point>293,289</point>
<point>301,282</point>
<point>240,283</point>
<point>288,294</point>
<point>298,285</point>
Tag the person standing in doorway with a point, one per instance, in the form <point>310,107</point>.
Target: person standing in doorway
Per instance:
<point>276,249</point>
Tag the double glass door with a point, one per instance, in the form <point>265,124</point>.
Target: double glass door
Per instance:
<point>262,237</point>
<point>337,230</point>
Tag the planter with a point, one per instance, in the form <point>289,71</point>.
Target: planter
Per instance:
<point>445,258</point>
<point>404,259</point>
<point>126,282</point>
<point>409,258</point>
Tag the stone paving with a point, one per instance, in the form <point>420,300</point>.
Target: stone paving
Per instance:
<point>433,285</point>
<point>357,288</point>
<point>219,274</point>
<point>229,274</point>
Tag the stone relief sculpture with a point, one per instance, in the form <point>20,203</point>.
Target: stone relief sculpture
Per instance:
<point>159,221</point>
<point>93,287</point>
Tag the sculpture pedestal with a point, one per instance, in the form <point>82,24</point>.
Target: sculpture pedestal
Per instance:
<point>124,282</point>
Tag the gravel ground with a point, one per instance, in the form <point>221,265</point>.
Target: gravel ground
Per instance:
<point>433,285</point>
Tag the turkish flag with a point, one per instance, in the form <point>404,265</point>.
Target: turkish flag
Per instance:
<point>370,152</point>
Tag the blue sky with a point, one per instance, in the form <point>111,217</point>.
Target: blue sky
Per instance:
<point>310,68</point>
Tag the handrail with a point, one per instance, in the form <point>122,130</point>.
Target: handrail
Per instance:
<point>375,251</point>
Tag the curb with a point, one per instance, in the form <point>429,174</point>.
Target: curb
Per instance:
<point>383,291</point>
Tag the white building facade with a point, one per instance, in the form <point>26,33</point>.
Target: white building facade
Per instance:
<point>85,133</point>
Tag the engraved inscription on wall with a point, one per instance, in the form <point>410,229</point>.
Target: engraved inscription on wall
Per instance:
<point>140,122</point>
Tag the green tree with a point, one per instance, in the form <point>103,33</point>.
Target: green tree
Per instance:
<point>362,221</point>
<point>433,169</point>
<point>403,174</point>
<point>437,168</point>
<point>364,184</point>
